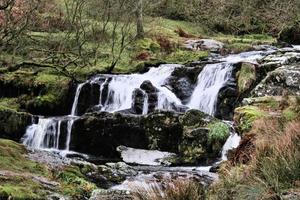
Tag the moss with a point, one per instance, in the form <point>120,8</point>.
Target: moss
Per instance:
<point>245,116</point>
<point>246,77</point>
<point>21,188</point>
<point>218,132</point>
<point>148,44</point>
<point>74,183</point>
<point>13,159</point>
<point>182,56</point>
<point>10,103</point>
<point>239,47</point>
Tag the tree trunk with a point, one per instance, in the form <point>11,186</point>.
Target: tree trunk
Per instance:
<point>139,20</point>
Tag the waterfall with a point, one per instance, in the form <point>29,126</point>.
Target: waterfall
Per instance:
<point>145,105</point>
<point>121,88</point>
<point>116,93</point>
<point>46,134</point>
<point>42,135</point>
<point>75,103</point>
<point>210,81</point>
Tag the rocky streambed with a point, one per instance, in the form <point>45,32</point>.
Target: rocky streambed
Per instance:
<point>166,124</point>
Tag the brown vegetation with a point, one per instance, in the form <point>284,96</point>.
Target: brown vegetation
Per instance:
<point>176,190</point>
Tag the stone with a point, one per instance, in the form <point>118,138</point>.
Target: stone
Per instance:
<point>101,194</point>
<point>283,80</point>
<point>138,97</point>
<point>89,97</point>
<point>99,134</point>
<point>13,124</point>
<point>182,82</point>
<point>204,44</point>
<point>145,157</point>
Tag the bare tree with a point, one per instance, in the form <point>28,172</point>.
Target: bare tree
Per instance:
<point>139,20</point>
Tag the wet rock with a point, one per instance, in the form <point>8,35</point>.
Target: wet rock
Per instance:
<point>182,82</point>
<point>152,95</point>
<point>138,101</point>
<point>163,130</point>
<point>285,79</point>
<point>89,97</point>
<point>100,134</point>
<point>145,157</point>
<point>13,124</point>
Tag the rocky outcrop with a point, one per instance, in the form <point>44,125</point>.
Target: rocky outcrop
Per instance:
<point>100,134</point>
<point>89,97</point>
<point>13,124</point>
<point>152,95</point>
<point>284,80</point>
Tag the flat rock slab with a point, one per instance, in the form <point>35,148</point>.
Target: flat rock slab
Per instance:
<point>203,44</point>
<point>144,157</point>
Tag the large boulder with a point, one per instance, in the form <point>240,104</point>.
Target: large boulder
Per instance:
<point>89,96</point>
<point>13,124</point>
<point>187,135</point>
<point>182,82</point>
<point>152,95</point>
<point>163,130</point>
<point>100,134</point>
<point>204,44</point>
<point>283,80</point>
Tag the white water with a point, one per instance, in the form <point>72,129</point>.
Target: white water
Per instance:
<point>45,134</point>
<point>42,135</point>
<point>210,81</point>
<point>121,88</point>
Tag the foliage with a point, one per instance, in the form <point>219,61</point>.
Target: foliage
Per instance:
<point>218,132</point>
<point>245,116</point>
<point>273,169</point>
<point>74,183</point>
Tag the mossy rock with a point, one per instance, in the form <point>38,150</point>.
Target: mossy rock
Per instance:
<point>13,124</point>
<point>246,77</point>
<point>163,130</point>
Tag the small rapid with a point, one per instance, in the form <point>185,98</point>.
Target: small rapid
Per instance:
<point>116,94</point>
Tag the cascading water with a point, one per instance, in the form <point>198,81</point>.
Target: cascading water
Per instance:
<point>46,134</point>
<point>116,92</point>
<point>121,88</point>
<point>210,81</point>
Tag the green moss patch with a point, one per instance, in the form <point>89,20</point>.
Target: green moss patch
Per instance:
<point>246,77</point>
<point>245,116</point>
<point>13,159</point>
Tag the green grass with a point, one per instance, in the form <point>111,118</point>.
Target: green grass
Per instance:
<point>12,159</point>
<point>9,103</point>
<point>18,185</point>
